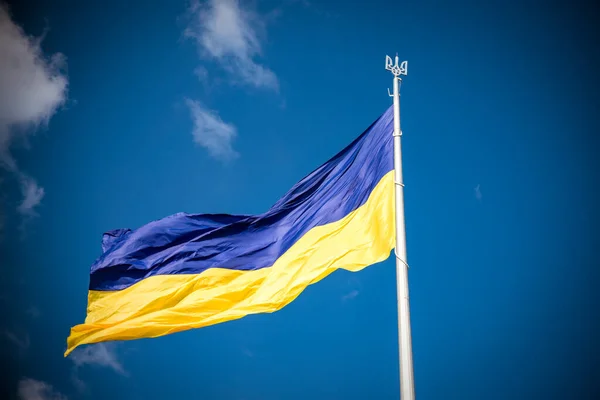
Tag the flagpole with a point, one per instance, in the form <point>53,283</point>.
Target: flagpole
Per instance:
<point>407,384</point>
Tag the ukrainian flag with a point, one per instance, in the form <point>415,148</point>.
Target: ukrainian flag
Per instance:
<point>193,270</point>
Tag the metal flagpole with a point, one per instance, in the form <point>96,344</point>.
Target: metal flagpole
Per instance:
<point>407,384</point>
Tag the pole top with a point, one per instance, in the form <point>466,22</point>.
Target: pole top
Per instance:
<point>396,69</point>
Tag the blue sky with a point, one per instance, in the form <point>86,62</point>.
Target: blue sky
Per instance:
<point>117,113</point>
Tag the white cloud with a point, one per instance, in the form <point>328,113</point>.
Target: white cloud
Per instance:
<point>31,389</point>
<point>230,34</point>
<point>211,132</point>
<point>101,354</point>
<point>478,194</point>
<point>32,88</point>
<point>32,196</point>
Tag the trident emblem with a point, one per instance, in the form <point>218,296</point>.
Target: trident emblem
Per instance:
<point>396,69</point>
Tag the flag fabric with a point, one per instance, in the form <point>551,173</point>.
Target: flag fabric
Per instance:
<point>194,270</point>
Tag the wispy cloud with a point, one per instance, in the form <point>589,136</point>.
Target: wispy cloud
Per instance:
<point>79,384</point>
<point>101,354</point>
<point>247,352</point>
<point>2,214</point>
<point>350,295</point>
<point>33,312</point>
<point>31,389</point>
<point>21,341</point>
<point>230,33</point>
<point>32,88</point>
<point>202,73</point>
<point>32,196</point>
<point>478,194</point>
<point>356,286</point>
<point>211,132</point>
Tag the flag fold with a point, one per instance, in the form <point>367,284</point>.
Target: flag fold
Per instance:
<point>193,270</point>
